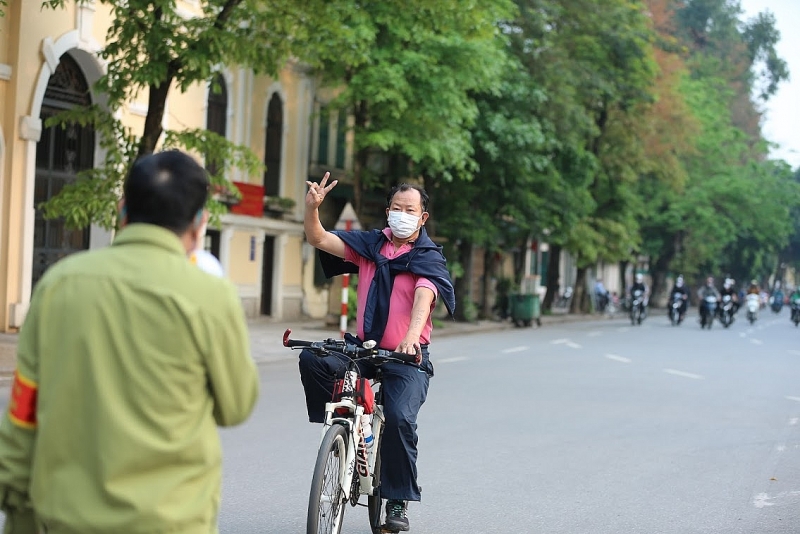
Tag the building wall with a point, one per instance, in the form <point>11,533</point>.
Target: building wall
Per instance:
<point>32,41</point>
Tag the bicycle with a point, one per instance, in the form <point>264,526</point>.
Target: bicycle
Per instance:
<point>335,482</point>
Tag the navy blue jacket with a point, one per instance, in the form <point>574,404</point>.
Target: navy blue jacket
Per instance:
<point>424,259</point>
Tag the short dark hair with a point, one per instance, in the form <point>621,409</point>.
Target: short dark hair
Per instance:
<point>402,188</point>
<point>167,189</point>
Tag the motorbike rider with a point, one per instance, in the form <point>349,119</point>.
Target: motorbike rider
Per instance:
<point>753,289</point>
<point>794,299</point>
<point>680,288</point>
<point>777,297</point>
<point>708,290</point>
<point>639,285</point>
<point>795,294</point>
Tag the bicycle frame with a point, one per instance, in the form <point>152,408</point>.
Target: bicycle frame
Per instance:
<point>350,466</point>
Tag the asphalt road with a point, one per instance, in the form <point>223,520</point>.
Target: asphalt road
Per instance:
<point>594,428</point>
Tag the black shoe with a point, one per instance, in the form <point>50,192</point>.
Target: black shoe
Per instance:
<point>396,519</point>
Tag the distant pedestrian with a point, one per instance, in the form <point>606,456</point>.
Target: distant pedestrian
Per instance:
<point>128,359</point>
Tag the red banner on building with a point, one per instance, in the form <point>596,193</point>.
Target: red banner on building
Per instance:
<point>252,202</point>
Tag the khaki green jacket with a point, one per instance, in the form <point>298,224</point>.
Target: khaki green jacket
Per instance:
<point>129,358</point>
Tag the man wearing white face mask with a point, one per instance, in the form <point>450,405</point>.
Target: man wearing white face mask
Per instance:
<point>401,274</point>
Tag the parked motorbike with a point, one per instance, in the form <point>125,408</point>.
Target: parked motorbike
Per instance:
<point>726,311</point>
<point>795,304</point>
<point>753,303</point>
<point>637,307</point>
<point>675,316</point>
<point>708,309</point>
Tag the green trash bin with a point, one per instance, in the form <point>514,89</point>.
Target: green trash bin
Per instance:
<point>524,309</point>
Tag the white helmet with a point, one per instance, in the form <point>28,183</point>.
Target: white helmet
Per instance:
<point>639,277</point>
<point>679,281</point>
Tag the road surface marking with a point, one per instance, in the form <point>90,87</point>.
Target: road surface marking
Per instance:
<point>763,499</point>
<point>515,349</point>
<point>756,342</point>
<point>618,358</point>
<point>793,421</point>
<point>792,398</point>
<point>451,360</point>
<point>594,333</point>
<point>573,345</point>
<point>559,341</point>
<point>683,374</point>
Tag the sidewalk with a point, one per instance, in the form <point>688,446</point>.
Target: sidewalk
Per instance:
<point>266,336</point>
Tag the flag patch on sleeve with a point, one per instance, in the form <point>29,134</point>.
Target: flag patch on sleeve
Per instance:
<point>22,407</point>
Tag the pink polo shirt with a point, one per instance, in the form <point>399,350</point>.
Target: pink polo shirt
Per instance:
<point>402,300</point>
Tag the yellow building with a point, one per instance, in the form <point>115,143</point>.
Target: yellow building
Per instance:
<point>49,61</point>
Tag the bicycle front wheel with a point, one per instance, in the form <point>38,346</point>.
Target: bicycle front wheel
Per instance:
<point>326,502</point>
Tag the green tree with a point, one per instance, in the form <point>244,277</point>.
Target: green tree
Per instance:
<point>411,95</point>
<point>151,49</point>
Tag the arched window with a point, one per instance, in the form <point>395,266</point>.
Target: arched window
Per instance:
<point>217,117</point>
<point>61,154</point>
<point>272,149</point>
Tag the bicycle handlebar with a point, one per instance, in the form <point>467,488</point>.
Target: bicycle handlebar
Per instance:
<point>351,350</point>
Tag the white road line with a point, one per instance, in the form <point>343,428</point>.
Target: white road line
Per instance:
<point>618,358</point>
<point>451,360</point>
<point>515,349</point>
<point>573,345</point>
<point>793,421</point>
<point>683,374</point>
<point>763,499</point>
<point>594,333</point>
<point>756,342</point>
<point>559,341</point>
<point>792,398</point>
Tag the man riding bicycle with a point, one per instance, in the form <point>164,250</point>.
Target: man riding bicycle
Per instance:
<point>401,274</point>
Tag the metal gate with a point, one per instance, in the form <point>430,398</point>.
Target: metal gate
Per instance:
<point>60,154</point>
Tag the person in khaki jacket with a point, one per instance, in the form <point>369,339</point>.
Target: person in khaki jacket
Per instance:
<point>128,359</point>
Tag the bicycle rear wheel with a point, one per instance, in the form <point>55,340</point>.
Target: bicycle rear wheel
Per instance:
<point>326,503</point>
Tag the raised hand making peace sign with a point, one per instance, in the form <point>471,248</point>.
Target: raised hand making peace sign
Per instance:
<point>317,191</point>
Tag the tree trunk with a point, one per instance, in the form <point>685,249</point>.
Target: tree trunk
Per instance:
<point>553,276</point>
<point>462,283</point>
<point>659,275</point>
<point>580,298</point>
<point>489,295</point>
<point>156,106</point>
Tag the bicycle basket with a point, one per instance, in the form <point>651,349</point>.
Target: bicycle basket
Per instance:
<point>362,393</point>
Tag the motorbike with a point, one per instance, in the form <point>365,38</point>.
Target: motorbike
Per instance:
<point>675,315</point>
<point>795,304</point>
<point>708,311</point>
<point>637,307</point>
<point>753,303</point>
<point>726,311</point>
